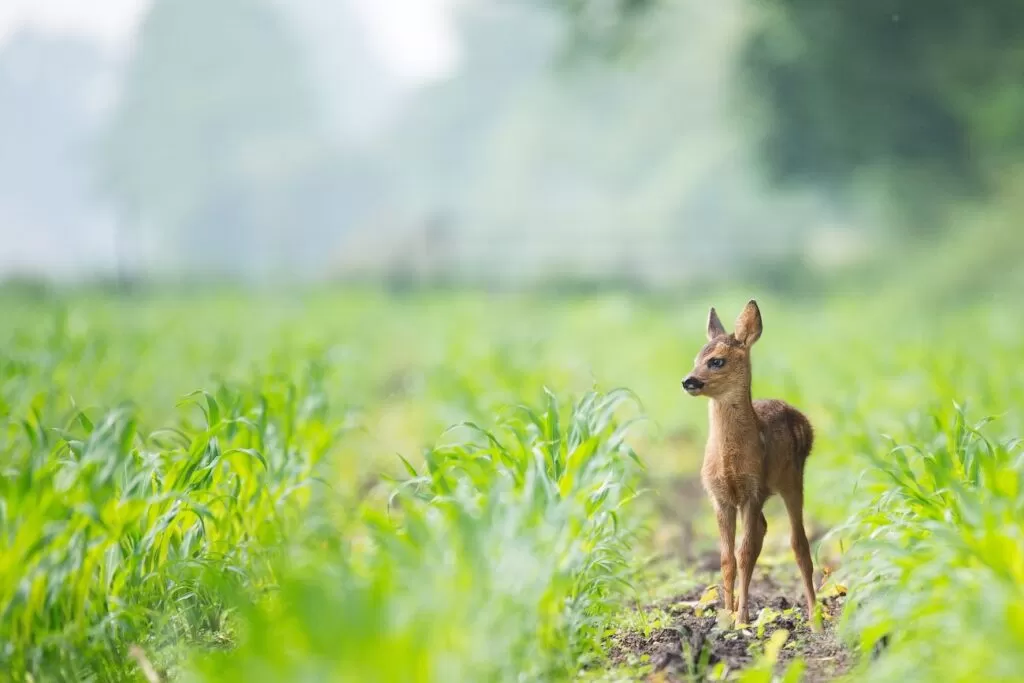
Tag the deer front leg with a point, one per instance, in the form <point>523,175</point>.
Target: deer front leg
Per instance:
<point>726,515</point>
<point>754,528</point>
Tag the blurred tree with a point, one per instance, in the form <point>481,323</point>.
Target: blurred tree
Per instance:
<point>440,143</point>
<point>214,120</point>
<point>903,94</point>
<point>606,27</point>
<point>51,92</point>
<point>925,92</point>
<point>627,169</point>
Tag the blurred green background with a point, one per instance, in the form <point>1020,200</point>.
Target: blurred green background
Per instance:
<point>252,252</point>
<point>655,144</point>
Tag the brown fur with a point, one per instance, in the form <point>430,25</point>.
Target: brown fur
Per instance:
<point>754,450</point>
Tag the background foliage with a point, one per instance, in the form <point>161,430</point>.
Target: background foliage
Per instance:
<point>434,471</point>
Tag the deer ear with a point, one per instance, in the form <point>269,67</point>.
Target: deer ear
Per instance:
<point>715,327</point>
<point>748,324</point>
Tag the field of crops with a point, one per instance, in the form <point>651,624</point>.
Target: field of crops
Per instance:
<point>455,486</point>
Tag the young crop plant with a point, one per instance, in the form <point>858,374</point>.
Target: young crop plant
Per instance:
<point>112,538</point>
<point>500,557</point>
<point>936,570</point>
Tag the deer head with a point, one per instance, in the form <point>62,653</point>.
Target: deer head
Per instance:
<point>723,366</point>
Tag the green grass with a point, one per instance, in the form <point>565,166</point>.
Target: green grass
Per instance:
<point>113,536</point>
<point>505,558</point>
<point>937,563</point>
<point>246,532</point>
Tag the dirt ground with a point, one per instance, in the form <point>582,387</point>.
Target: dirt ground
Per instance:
<point>695,643</point>
<point>691,639</point>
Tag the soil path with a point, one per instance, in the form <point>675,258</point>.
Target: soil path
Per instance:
<point>687,638</point>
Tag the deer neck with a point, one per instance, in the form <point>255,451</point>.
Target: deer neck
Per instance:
<point>732,418</point>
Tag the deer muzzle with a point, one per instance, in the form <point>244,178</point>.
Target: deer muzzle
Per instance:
<point>692,385</point>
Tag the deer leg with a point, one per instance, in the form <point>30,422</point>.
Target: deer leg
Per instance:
<point>755,526</point>
<point>802,549</point>
<point>726,515</point>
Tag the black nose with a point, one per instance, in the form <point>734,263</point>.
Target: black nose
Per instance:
<point>691,383</point>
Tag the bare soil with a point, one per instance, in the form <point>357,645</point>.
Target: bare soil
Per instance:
<point>696,642</point>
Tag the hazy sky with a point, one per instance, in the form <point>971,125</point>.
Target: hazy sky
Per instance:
<point>110,21</point>
<point>415,38</point>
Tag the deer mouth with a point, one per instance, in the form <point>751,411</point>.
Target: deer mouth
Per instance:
<point>693,386</point>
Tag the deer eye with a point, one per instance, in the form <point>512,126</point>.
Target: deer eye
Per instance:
<point>716,363</point>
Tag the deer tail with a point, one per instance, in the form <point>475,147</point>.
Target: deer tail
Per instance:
<point>803,438</point>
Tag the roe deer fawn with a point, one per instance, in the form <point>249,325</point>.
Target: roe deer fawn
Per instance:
<point>754,450</point>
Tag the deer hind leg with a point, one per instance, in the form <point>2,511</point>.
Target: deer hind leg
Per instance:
<point>726,515</point>
<point>801,549</point>
<point>755,526</point>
